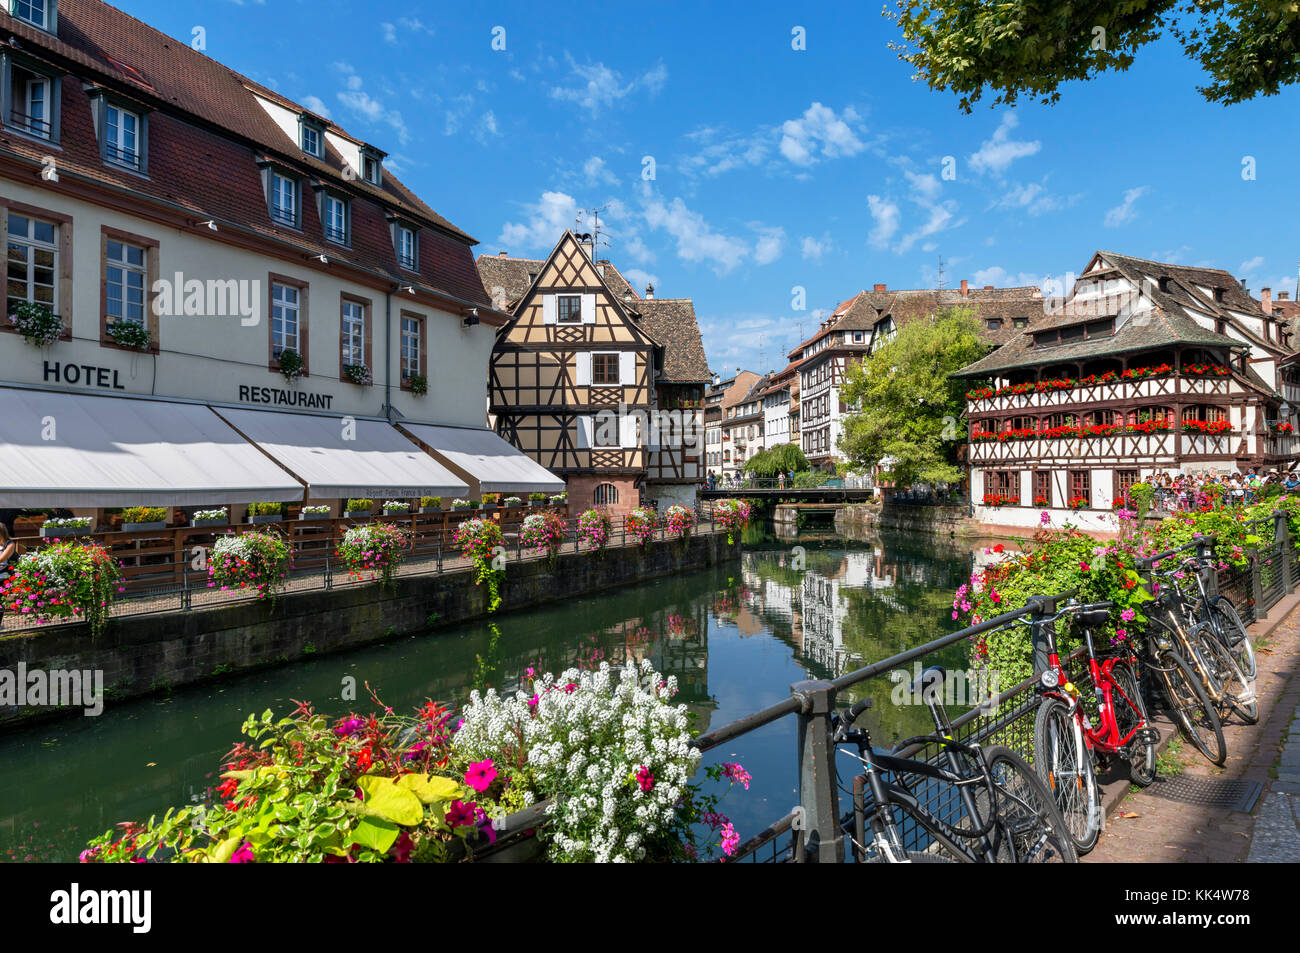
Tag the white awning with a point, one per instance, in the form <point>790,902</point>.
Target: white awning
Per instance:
<point>64,450</point>
<point>340,457</point>
<point>497,465</point>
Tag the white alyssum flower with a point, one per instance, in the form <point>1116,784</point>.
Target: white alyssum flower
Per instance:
<point>586,735</point>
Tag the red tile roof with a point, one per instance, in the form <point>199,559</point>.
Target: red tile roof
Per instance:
<point>206,132</point>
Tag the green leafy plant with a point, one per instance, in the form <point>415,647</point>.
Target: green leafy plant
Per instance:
<point>39,326</point>
<point>291,364</point>
<point>431,502</point>
<point>490,498</point>
<point>258,561</point>
<point>418,384</point>
<point>359,506</point>
<point>537,497</point>
<point>130,334</point>
<point>64,581</point>
<point>479,541</point>
<point>376,550</point>
<point>265,509</point>
<point>358,374</point>
<point>144,514</point>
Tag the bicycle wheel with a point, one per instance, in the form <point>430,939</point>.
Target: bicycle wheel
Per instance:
<point>1064,762</point>
<point>1131,714</point>
<point>913,857</point>
<point>1237,691</point>
<point>1191,707</point>
<point>1027,829</point>
<point>1232,633</point>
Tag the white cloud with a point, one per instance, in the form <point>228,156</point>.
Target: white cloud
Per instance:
<point>362,104</point>
<point>886,215</point>
<point>696,240</point>
<point>770,244</point>
<point>813,249</point>
<point>1251,265</point>
<point>1124,213</point>
<point>601,87</point>
<point>1033,197</point>
<point>819,130</point>
<point>1000,150</point>
<point>390,33</point>
<point>941,217</point>
<point>597,173</point>
<point>546,220</point>
<point>1001,278</point>
<point>314,104</point>
<point>486,128</point>
<point>638,279</point>
<point>925,186</point>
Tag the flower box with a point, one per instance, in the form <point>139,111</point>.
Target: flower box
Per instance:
<point>356,514</point>
<point>267,518</point>
<point>216,521</point>
<point>303,514</point>
<point>431,509</point>
<point>139,527</point>
<point>516,503</point>
<point>58,532</point>
<point>404,511</point>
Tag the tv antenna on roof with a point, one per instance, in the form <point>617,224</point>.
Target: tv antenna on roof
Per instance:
<point>594,234</point>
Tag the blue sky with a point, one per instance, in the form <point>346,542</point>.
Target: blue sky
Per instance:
<point>774,169</point>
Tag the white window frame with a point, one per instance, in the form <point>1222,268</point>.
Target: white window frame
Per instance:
<point>126,271</point>
<point>115,150</point>
<point>308,128</point>
<point>47,8</point>
<point>352,340</point>
<point>409,355</point>
<point>340,234</point>
<point>286,305</point>
<point>32,245</point>
<point>291,189</point>
<point>411,262</point>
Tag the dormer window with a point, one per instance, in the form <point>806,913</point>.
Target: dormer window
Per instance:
<point>334,218</point>
<point>39,13</point>
<point>372,165</point>
<point>284,200</point>
<point>408,254</point>
<point>311,137</point>
<point>994,324</point>
<point>122,129</point>
<point>31,105</point>
<point>1219,293</point>
<point>1020,322</point>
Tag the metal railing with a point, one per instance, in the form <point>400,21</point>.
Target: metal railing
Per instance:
<point>165,570</point>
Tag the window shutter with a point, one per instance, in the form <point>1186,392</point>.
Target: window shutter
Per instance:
<point>589,309</point>
<point>584,431</point>
<point>628,432</point>
<point>548,309</point>
<point>627,367</point>
<point>584,368</point>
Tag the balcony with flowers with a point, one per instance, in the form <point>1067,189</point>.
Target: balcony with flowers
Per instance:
<point>1155,381</point>
<point>1138,435</point>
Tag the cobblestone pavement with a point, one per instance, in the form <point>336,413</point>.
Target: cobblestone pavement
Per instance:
<point>1147,828</point>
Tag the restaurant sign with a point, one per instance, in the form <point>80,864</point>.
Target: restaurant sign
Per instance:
<point>284,398</point>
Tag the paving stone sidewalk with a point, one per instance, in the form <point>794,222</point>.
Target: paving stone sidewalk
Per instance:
<point>1147,828</point>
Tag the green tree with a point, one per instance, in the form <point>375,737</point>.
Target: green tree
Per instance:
<point>783,458</point>
<point>907,407</point>
<point>1248,47</point>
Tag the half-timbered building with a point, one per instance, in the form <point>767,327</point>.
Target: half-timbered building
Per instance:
<point>1144,368</point>
<point>863,323</point>
<point>598,384</point>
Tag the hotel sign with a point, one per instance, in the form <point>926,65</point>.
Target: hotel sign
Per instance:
<point>88,375</point>
<point>284,398</point>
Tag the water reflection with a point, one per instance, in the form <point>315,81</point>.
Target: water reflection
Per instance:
<point>735,637</point>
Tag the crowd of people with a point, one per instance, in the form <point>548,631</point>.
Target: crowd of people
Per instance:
<point>1188,491</point>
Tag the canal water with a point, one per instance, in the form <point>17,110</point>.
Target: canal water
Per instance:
<point>736,637</point>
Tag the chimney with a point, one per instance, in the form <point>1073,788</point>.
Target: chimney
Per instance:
<point>501,254</point>
<point>1266,300</point>
<point>988,287</point>
<point>879,288</point>
<point>649,292</point>
<point>1284,296</point>
<point>965,287</point>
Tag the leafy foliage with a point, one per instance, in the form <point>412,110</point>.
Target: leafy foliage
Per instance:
<point>908,404</point>
<point>1031,47</point>
<point>63,581</point>
<point>784,458</point>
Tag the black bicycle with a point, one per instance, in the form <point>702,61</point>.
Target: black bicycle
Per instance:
<point>1002,812</point>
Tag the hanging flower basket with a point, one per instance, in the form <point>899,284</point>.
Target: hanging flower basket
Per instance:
<point>63,582</point>
<point>130,334</point>
<point>291,364</point>
<point>358,374</point>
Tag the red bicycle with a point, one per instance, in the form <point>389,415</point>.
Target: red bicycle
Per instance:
<point>1066,740</point>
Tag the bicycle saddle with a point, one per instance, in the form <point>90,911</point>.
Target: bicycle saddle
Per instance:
<point>929,684</point>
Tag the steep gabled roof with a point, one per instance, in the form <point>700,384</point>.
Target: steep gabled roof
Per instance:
<point>670,322</point>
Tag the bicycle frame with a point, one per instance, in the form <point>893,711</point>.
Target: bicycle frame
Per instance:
<point>1105,737</point>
